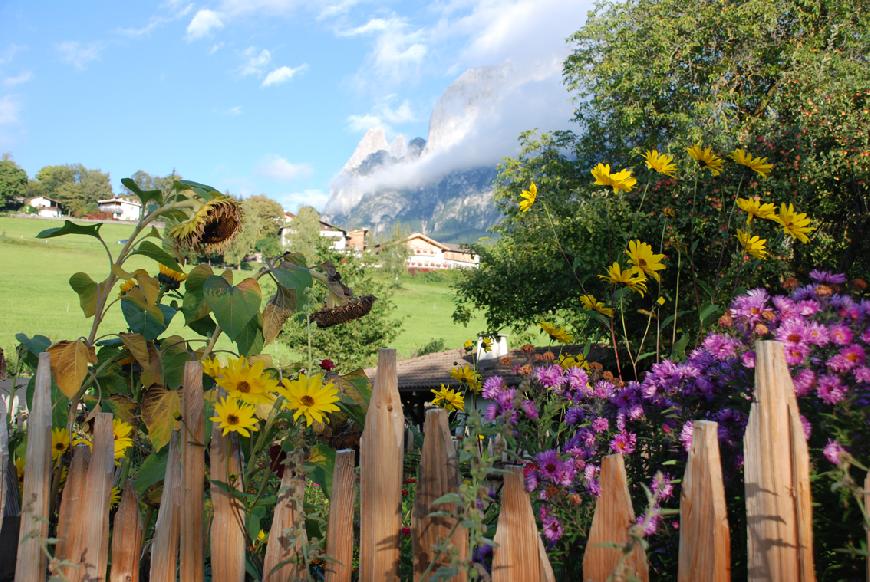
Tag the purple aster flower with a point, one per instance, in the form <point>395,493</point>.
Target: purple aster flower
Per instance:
<point>686,435</point>
<point>661,486</point>
<point>624,442</point>
<point>505,399</point>
<point>834,452</point>
<point>549,464</point>
<point>492,386</point>
<point>721,346</point>
<point>749,309</point>
<point>808,428</point>
<point>840,334</point>
<point>796,353</point>
<point>573,416</point>
<point>604,389</point>
<point>649,523</point>
<point>827,277</point>
<point>550,376</point>
<point>481,554</point>
<point>816,334</point>
<point>600,424</point>
<point>565,473</point>
<point>830,390</point>
<point>552,529</point>
<point>865,337</point>
<point>748,359</point>
<point>590,473</point>
<point>577,379</point>
<point>491,412</point>
<point>792,331</point>
<point>530,476</point>
<point>786,307</point>
<point>804,382</point>
<point>808,307</point>
<point>862,374</point>
<point>531,409</point>
<point>635,411</point>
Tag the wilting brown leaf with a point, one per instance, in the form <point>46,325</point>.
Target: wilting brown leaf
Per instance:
<point>280,307</point>
<point>69,364</point>
<point>161,409</point>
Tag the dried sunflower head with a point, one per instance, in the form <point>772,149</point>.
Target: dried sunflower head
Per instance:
<point>353,309</point>
<point>211,228</point>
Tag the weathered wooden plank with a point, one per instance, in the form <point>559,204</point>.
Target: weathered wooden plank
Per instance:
<point>227,534</point>
<point>517,554</point>
<point>381,455</point>
<point>547,574</point>
<point>776,476</point>
<point>167,529</point>
<point>193,476</point>
<point>69,527</point>
<point>705,541</point>
<point>4,457</point>
<point>284,561</point>
<point>339,539</point>
<point>33,530</point>
<point>610,523</point>
<point>438,476</point>
<point>127,533</point>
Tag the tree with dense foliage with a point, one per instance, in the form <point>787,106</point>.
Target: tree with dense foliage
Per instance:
<point>73,185</point>
<point>782,80</point>
<point>303,235</point>
<point>261,219</point>
<point>146,181</point>
<point>13,180</point>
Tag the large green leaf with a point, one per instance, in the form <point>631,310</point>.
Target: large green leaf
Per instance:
<point>151,250</point>
<point>173,356</point>
<point>194,305</point>
<point>250,342</point>
<point>88,291</point>
<point>33,346</point>
<point>70,227</point>
<point>145,196</point>
<point>294,278</point>
<point>151,471</point>
<point>233,307</point>
<point>320,466</point>
<point>145,319</point>
<point>202,191</point>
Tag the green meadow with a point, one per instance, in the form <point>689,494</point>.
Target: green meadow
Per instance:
<point>35,296</point>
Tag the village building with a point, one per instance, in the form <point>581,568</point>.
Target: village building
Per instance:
<point>46,207</point>
<point>340,239</point>
<point>121,208</point>
<point>427,254</point>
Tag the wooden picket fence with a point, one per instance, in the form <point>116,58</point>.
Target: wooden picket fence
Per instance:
<point>779,520</point>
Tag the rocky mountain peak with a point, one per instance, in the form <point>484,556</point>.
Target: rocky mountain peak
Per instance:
<point>373,141</point>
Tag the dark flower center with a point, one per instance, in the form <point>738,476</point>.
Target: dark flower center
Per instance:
<point>550,467</point>
<point>59,446</point>
<point>244,387</point>
<point>232,419</point>
<point>307,400</point>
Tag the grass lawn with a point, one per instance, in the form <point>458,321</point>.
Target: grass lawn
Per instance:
<point>35,297</point>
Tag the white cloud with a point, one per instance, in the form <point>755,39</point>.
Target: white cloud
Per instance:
<point>255,61</point>
<point>18,79</point>
<point>215,47</point>
<point>203,22</point>
<point>282,75</point>
<point>293,201</point>
<point>396,54</point>
<point>383,115</point>
<point>365,122</point>
<point>174,10</point>
<point>234,111</point>
<point>9,110</point>
<point>278,168</point>
<point>333,9</point>
<point>79,54</point>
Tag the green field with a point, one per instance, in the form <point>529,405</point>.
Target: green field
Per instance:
<point>35,297</point>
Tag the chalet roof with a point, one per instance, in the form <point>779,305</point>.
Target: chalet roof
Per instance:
<point>288,216</point>
<point>430,371</point>
<point>120,199</point>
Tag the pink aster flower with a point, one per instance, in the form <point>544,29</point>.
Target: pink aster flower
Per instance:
<point>552,529</point>
<point>817,334</point>
<point>792,331</point>
<point>834,452</point>
<point>796,353</point>
<point>748,359</point>
<point>624,443</point>
<point>830,390</point>
<point>862,374</point>
<point>721,346</point>
<point>840,334</point>
<point>600,424</point>
<point>804,381</point>
<point>686,435</point>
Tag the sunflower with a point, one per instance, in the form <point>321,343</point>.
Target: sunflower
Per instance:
<point>211,228</point>
<point>247,381</point>
<point>576,361</point>
<point>528,197</point>
<point>59,442</point>
<point>620,181</point>
<point>309,396</point>
<point>795,224</point>
<point>555,332</point>
<point>448,399</point>
<point>758,165</point>
<point>466,375</point>
<point>121,432</point>
<point>755,209</point>
<point>234,416</point>
<point>468,345</point>
<point>592,304</point>
<point>661,163</point>
<point>115,496</point>
<point>127,286</point>
<point>212,367</point>
<point>170,278</point>
<point>633,278</point>
<point>706,158</point>
<point>641,255</point>
<point>753,245</point>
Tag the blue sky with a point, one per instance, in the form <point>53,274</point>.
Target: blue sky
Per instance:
<point>256,96</point>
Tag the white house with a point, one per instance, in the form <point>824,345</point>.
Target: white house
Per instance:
<point>338,237</point>
<point>121,208</point>
<point>425,254</point>
<point>46,207</point>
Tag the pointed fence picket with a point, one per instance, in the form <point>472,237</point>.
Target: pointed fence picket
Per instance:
<point>777,500</point>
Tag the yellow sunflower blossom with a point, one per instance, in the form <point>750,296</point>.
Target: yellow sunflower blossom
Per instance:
<point>309,396</point>
<point>247,381</point>
<point>212,367</point>
<point>467,376</point>
<point>633,278</point>
<point>661,163</point>
<point>127,285</point>
<point>754,208</point>
<point>754,246</point>
<point>706,158</point>
<point>528,197</point>
<point>468,345</point>
<point>262,537</point>
<point>59,442</point>
<point>555,332</point>
<point>231,415</point>
<point>758,165</point>
<point>794,224</point>
<point>115,496</point>
<point>486,343</point>
<point>448,399</point>
<point>170,278</point>
<point>641,255</point>
<point>620,181</point>
<point>592,304</point>
<point>121,431</point>
<point>577,361</point>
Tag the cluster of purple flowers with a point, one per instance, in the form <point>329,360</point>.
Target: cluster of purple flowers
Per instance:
<point>826,338</point>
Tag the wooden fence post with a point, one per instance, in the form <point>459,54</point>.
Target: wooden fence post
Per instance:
<point>68,525</point>
<point>381,459</point>
<point>517,554</point>
<point>33,531</point>
<point>91,516</point>
<point>776,476</point>
<point>193,479</point>
<point>438,476</point>
<point>283,561</point>
<point>4,456</point>
<point>339,539</point>
<point>167,529</point>
<point>228,526</point>
<point>613,516</point>
<point>126,538</point>
<point>705,541</point>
